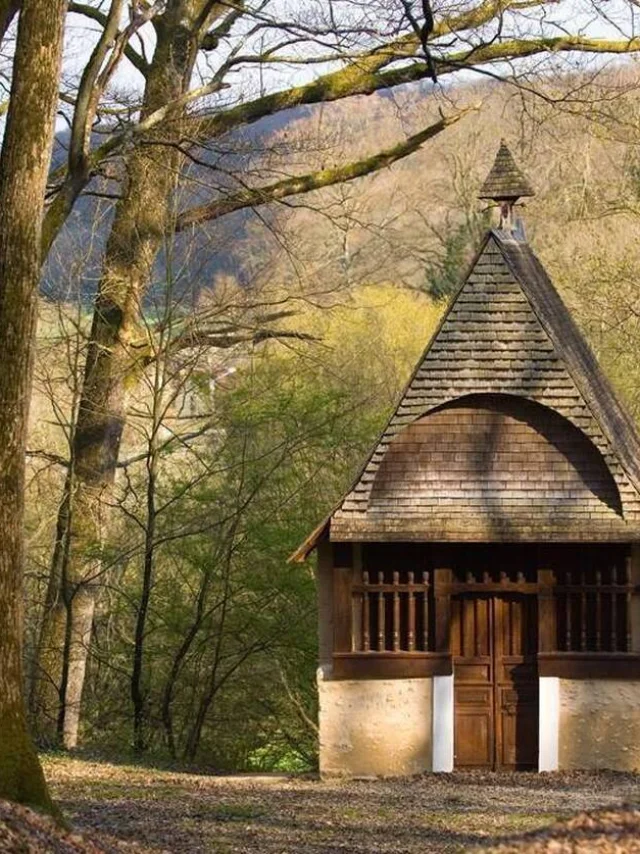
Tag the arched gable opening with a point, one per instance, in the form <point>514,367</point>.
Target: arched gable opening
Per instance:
<point>497,457</point>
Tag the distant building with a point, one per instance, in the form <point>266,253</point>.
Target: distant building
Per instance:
<point>478,584</point>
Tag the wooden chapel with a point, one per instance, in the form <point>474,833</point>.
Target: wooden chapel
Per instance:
<point>478,584</point>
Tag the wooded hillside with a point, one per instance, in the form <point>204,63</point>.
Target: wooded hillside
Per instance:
<point>234,450</point>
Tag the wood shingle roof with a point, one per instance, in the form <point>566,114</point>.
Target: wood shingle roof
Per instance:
<point>506,337</point>
<point>505,181</point>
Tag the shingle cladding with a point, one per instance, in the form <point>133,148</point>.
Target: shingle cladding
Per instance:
<point>505,181</point>
<point>507,333</point>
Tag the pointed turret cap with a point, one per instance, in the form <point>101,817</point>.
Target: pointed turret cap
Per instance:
<point>505,182</point>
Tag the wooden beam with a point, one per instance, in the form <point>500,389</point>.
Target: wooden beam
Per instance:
<point>342,614</point>
<point>442,580</point>
<point>577,665</point>
<point>547,632</point>
<point>391,665</point>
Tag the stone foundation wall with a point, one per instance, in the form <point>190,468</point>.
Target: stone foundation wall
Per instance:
<point>599,724</point>
<point>374,727</point>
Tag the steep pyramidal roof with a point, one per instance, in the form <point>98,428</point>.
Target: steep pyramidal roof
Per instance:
<point>506,337</point>
<point>505,181</point>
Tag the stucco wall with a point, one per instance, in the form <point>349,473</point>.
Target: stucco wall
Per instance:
<point>374,727</point>
<point>599,724</point>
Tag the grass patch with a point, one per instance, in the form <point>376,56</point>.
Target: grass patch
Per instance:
<point>235,812</point>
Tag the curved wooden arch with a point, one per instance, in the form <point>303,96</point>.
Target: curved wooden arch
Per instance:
<point>486,452</point>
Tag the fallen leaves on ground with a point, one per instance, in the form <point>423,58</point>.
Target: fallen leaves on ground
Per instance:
<point>604,832</point>
<point>163,810</point>
<point>26,831</point>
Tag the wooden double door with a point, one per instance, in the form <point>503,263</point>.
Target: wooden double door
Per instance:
<point>494,645</point>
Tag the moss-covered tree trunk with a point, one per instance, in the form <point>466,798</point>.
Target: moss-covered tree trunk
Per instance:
<point>140,226</point>
<point>24,164</point>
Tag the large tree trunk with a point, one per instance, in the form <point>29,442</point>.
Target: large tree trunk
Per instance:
<point>141,223</point>
<point>24,166</point>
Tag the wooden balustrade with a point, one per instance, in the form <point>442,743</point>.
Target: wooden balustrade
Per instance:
<point>594,610</point>
<point>394,612</point>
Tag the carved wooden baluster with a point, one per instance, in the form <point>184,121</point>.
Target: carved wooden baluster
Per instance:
<point>396,613</point>
<point>366,613</point>
<point>425,612</point>
<point>381,609</point>
<point>411,621</point>
<point>476,629</point>
<point>614,610</point>
<point>568,603</point>
<point>514,633</point>
<point>583,612</point>
<point>598,611</point>
<point>628,577</point>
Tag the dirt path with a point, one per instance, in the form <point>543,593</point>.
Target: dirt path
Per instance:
<point>164,811</point>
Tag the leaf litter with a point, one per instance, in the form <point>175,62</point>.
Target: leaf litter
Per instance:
<point>125,808</point>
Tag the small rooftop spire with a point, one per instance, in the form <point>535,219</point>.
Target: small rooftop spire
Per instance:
<point>505,184</point>
<point>505,181</point>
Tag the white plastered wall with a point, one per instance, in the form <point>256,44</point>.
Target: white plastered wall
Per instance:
<point>374,727</point>
<point>443,723</point>
<point>599,724</point>
<point>548,723</point>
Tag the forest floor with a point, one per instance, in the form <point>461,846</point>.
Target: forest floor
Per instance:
<point>147,810</point>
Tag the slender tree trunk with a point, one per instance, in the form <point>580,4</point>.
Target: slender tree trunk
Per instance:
<point>141,222</point>
<point>178,661</point>
<point>44,694</point>
<point>195,732</point>
<point>24,165</point>
<point>137,689</point>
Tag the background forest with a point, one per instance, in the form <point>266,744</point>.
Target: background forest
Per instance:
<point>203,646</point>
<point>254,214</point>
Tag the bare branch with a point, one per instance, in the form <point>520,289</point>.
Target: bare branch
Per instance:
<point>252,197</point>
<point>101,18</point>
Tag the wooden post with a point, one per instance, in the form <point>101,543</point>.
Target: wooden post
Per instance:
<point>382,629</point>
<point>395,634</point>
<point>411,615</point>
<point>547,638</point>
<point>342,611</point>
<point>425,612</point>
<point>635,598</point>
<point>583,612</point>
<point>366,614</point>
<point>442,579</point>
<point>598,610</point>
<point>326,617</point>
<point>356,601</point>
<point>614,610</point>
<point>628,574</point>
